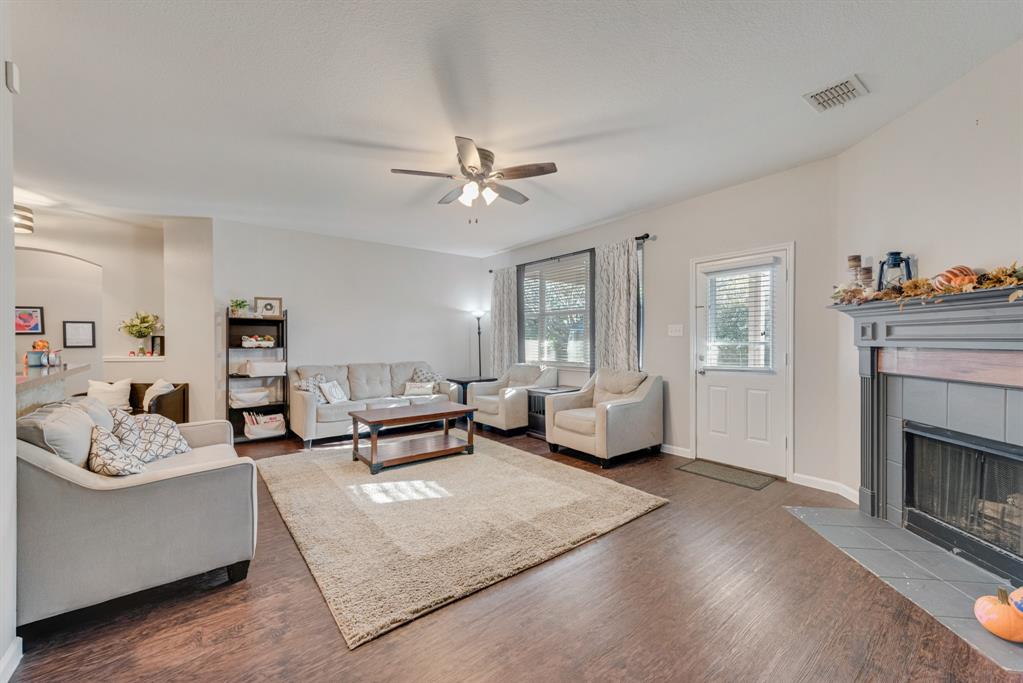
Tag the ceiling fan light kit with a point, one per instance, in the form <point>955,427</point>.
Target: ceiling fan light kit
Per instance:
<point>477,166</point>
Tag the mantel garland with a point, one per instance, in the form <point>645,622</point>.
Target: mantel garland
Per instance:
<point>955,280</point>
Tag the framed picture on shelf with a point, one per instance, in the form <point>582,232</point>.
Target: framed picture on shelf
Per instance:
<point>29,320</point>
<point>79,334</point>
<point>158,345</point>
<point>269,306</point>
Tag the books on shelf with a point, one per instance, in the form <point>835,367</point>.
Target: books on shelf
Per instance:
<point>259,426</point>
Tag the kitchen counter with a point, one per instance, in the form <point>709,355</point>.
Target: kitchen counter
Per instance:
<point>40,385</point>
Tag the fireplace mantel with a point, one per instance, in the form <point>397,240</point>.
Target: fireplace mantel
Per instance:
<point>966,326</point>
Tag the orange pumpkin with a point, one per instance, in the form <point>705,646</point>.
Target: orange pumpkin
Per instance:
<point>999,616</point>
<point>944,279</point>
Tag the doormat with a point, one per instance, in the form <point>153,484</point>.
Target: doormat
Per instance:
<point>731,475</point>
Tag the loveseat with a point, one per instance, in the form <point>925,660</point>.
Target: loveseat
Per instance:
<point>615,412</point>
<point>84,538</point>
<point>367,386</point>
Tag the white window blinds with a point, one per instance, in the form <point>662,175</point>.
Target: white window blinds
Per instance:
<point>740,319</point>
<point>556,306</point>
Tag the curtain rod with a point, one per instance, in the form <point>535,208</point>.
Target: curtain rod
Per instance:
<point>639,238</point>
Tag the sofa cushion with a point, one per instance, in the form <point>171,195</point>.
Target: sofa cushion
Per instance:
<point>60,429</point>
<point>612,385</point>
<point>148,437</point>
<point>433,398</point>
<point>106,456</point>
<point>523,375</point>
<point>113,394</point>
<point>386,402</point>
<point>487,404</point>
<point>369,380</point>
<point>336,412</point>
<point>403,372</point>
<point>200,456</point>
<point>578,420</point>
<point>329,372</point>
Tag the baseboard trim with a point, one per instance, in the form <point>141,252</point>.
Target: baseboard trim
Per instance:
<point>10,660</point>
<point>828,485</point>
<point>675,450</point>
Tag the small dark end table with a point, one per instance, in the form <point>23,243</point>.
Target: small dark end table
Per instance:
<point>464,382</point>
<point>537,407</point>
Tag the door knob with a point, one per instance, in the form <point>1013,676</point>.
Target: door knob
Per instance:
<point>701,371</point>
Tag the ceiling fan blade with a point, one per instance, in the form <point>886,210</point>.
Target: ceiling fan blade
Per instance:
<point>525,171</point>
<point>468,154</point>
<point>432,174</point>
<point>451,196</point>
<point>505,192</point>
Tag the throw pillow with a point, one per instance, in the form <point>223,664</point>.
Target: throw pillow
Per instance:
<point>160,437</point>
<point>114,395</point>
<point>61,429</point>
<point>418,388</point>
<point>333,392</point>
<point>96,409</point>
<point>106,455</point>
<point>127,431</point>
<point>425,375</point>
<point>157,388</point>
<point>312,385</point>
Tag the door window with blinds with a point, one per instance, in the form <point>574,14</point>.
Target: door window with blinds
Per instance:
<point>740,318</point>
<point>556,311</point>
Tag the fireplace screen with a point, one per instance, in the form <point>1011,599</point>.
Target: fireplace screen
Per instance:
<point>973,489</point>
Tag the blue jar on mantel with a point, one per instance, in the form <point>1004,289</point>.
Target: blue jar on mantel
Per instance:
<point>895,269</point>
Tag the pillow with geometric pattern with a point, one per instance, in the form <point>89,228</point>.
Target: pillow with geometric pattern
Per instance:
<point>108,457</point>
<point>148,437</point>
<point>422,375</point>
<point>312,385</point>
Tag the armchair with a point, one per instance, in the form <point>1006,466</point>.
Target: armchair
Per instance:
<point>504,404</point>
<point>615,412</point>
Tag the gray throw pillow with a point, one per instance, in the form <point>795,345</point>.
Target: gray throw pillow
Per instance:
<point>312,385</point>
<point>96,409</point>
<point>60,429</point>
<point>107,457</point>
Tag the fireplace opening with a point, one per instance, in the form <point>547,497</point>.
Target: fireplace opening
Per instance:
<point>965,493</point>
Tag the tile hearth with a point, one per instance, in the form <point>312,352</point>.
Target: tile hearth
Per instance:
<point>934,579</point>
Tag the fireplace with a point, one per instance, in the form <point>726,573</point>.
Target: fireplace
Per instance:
<point>941,421</point>
<point>965,493</point>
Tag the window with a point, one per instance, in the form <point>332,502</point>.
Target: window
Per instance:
<point>740,319</point>
<point>556,311</point>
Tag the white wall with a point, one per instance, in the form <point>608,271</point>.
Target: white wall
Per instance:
<point>352,301</point>
<point>190,311</point>
<point>68,289</point>
<point>10,644</point>
<point>131,256</point>
<point>795,205</point>
<point>945,183</point>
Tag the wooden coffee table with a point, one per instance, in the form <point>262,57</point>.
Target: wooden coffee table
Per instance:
<point>402,451</point>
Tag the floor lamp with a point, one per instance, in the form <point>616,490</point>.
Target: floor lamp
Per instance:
<point>479,339</point>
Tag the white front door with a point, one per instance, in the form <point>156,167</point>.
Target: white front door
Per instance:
<point>742,345</point>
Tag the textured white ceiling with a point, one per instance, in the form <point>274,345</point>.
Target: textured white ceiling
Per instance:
<point>291,114</point>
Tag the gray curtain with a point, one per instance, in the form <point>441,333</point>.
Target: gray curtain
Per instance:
<point>617,305</point>
<point>504,321</point>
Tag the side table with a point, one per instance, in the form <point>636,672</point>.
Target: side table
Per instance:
<point>537,407</point>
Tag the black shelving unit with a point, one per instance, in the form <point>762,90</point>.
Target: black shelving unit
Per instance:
<point>236,353</point>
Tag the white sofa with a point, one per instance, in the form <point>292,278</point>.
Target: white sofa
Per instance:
<point>615,412</point>
<point>504,403</point>
<point>367,385</point>
<point>84,538</point>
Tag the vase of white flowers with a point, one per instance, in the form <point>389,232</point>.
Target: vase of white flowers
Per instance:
<point>142,326</point>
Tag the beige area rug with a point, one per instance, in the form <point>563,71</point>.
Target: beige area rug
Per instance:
<point>386,549</point>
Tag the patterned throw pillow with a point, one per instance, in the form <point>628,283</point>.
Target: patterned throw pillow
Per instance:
<point>312,385</point>
<point>128,433</point>
<point>422,375</point>
<point>160,437</point>
<point>108,457</point>
<point>333,392</point>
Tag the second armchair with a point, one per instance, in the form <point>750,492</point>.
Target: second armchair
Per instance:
<point>504,403</point>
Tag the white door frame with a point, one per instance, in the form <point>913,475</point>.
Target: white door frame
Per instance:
<point>790,264</point>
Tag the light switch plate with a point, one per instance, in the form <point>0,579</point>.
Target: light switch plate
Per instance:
<point>677,330</point>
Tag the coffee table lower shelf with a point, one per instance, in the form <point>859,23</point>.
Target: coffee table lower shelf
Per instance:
<point>390,453</point>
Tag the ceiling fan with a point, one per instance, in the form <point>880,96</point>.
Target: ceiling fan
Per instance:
<point>477,166</point>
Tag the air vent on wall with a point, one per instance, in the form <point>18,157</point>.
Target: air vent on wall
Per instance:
<point>837,94</point>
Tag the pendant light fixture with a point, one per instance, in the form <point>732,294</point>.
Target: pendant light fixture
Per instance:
<point>24,221</point>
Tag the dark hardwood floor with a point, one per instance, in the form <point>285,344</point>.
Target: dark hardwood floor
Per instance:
<point>720,584</point>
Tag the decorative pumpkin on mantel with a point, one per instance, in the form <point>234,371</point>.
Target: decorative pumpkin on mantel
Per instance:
<point>999,616</point>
